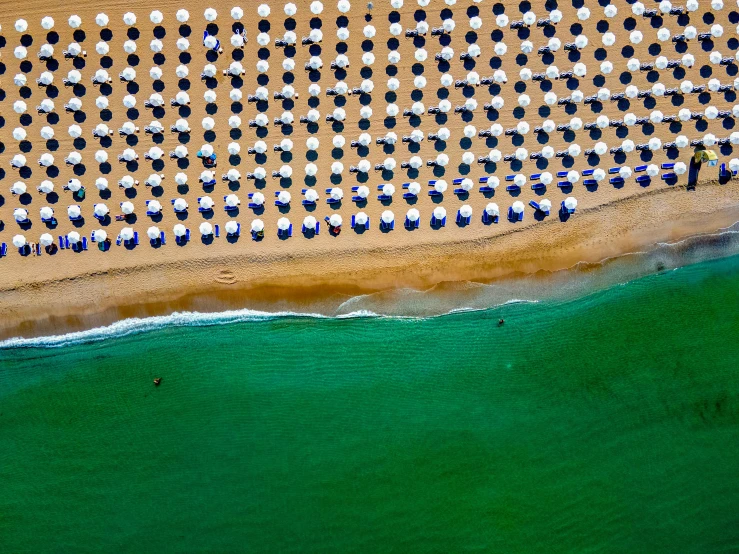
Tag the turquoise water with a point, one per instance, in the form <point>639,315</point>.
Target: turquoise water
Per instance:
<point>605,423</point>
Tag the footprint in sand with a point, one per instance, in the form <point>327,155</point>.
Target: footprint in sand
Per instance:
<point>226,277</point>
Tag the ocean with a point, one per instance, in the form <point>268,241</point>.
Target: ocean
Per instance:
<point>603,420</point>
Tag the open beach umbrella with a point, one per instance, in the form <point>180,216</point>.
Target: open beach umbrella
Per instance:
<point>439,212</point>
<point>546,178</point>
<point>233,175</point>
<point>257,226</point>
<point>101,210</point>
<point>154,206</point>
<point>153,232</point>
<point>19,241</point>
<point>73,211</point>
<point>413,215</point>
<point>18,188</point>
<point>20,214</point>
<point>311,195</point>
<point>19,133</point>
<point>180,205</point>
<point>46,187</point>
<point>19,107</point>
<point>101,183</point>
<point>336,193</point>
<point>179,230</point>
<point>74,185</point>
<point>127,207</point>
<point>101,156</point>
<point>20,80</point>
<point>206,228</point>
<point>311,169</point>
<point>680,167</point>
<point>102,20</point>
<point>19,160</point>
<point>46,239</point>
<point>517,207</point>
<point>206,202</point>
<point>232,200</point>
<point>310,222</point>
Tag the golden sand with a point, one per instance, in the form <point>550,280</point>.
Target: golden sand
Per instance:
<point>69,290</point>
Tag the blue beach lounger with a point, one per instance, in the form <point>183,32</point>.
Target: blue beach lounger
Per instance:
<point>3,250</point>
<point>538,186</point>
<point>535,176</point>
<point>217,230</point>
<point>513,188</point>
<point>587,172</point>
<point>640,168</point>
<point>616,180</point>
<point>669,165</point>
<point>162,238</point>
<point>644,180</point>
<point>613,170</point>
<point>669,176</point>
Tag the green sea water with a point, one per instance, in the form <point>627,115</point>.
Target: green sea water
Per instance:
<point>606,423</point>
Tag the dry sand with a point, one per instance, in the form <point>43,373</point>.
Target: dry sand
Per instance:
<point>68,290</point>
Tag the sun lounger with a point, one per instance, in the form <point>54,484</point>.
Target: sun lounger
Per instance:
<point>462,219</point>
<point>617,180</point>
<point>84,243</point>
<point>538,186</point>
<point>487,189</point>
<point>66,242</point>
<point>564,184</point>
<point>255,206</point>
<point>332,201</point>
<point>358,199</point>
<point>460,191</point>
<point>644,180</point>
<point>567,210</point>
<point>510,177</point>
<point>535,176</point>
<point>328,191</point>
<point>406,185</point>
<point>587,172</point>
<point>640,168</point>
<point>513,188</point>
<point>487,218</point>
<point>435,193</point>
<point>483,179</point>
<point>561,174</point>
<point>670,165</point>
<point>457,181</point>
<point>669,176</point>
<point>3,250</point>
<point>534,205</point>
<point>38,249</point>
<point>354,189</point>
<point>513,216</point>
<point>135,237</point>
<point>384,197</point>
<point>590,182</point>
<point>308,203</point>
<point>118,241</point>
<point>217,229</point>
<point>432,182</point>
<point>613,170</point>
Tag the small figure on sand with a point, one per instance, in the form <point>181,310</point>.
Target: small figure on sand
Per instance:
<point>157,381</point>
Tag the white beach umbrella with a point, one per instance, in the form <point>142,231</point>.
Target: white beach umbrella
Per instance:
<point>654,144</point>
<point>19,241</point>
<point>210,14</point>
<point>336,193</point>
<point>19,107</point>
<point>179,230</point>
<point>46,239</point>
<point>625,172</point>
<point>609,39</point>
<point>74,185</point>
<point>46,212</point>
<point>46,187</point>
<point>20,52</point>
<point>550,98</point>
<point>19,160</point>
<point>439,212</point>
<point>19,187</point>
<point>127,207</point>
<point>101,102</point>
<point>546,178</point>
<point>680,168</point>
<point>154,206</point>
<point>20,214</point>
<point>233,175</point>
<point>20,80</point>
<point>206,202</point>
<point>73,211</point>
<point>127,182</point>
<point>153,232</point>
<point>102,20</point>
<point>156,45</point>
<point>19,133</point>
<point>311,169</point>
<point>517,207</point>
<point>206,228</point>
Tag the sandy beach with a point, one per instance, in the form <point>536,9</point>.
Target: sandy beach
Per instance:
<point>54,293</point>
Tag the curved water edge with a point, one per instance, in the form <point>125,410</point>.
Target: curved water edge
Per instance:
<point>581,280</point>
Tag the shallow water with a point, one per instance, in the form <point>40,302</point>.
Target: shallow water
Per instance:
<point>604,423</point>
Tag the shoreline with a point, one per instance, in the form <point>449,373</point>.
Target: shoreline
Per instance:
<point>320,281</point>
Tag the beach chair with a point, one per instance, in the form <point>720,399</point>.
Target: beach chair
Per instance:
<point>561,174</point>
<point>669,176</point>
<point>285,232</point>
<point>406,185</point>
<point>510,177</point>
<point>84,243</point>
<point>616,180</point>
<point>38,249</point>
<point>66,242</point>
<point>432,182</point>
<point>435,193</point>
<point>118,241</point>
<point>409,196</point>
<point>533,177</point>
<point>384,197</point>
<point>457,181</point>
<point>358,199</point>
<point>233,208</point>
<point>513,216</point>
<point>644,180</point>
<point>564,184</point>
<point>534,205</point>
<point>566,210</point>
<point>308,203</point>
<point>640,168</point>
<point>3,250</point>
<point>513,188</point>
<point>487,189</point>
<point>590,182</point>
<point>438,222</point>
<point>669,165</point>
<point>217,230</point>
<point>460,191</point>
<point>254,206</point>
<point>484,179</point>
<point>332,201</point>
<point>538,186</point>
<point>328,191</point>
<point>136,237</point>
<point>388,226</point>
<point>612,170</point>
<point>61,242</point>
<point>587,172</point>
<point>462,219</point>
